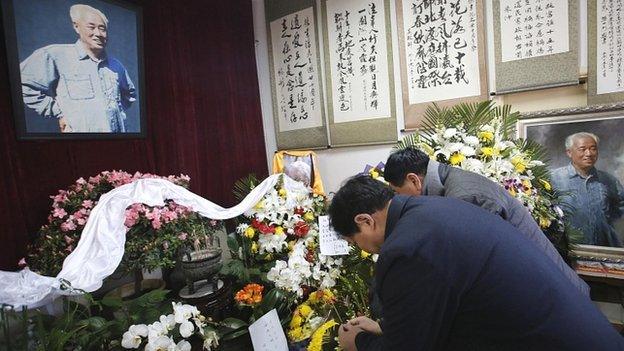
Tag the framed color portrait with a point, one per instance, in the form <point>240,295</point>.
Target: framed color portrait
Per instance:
<point>589,173</point>
<point>75,68</point>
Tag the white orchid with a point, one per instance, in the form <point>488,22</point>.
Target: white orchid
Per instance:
<point>211,340</point>
<point>132,338</point>
<point>168,321</point>
<point>186,329</point>
<point>183,345</point>
<point>162,343</point>
<point>183,313</point>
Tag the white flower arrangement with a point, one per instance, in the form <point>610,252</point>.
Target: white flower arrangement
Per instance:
<point>185,321</point>
<point>479,138</point>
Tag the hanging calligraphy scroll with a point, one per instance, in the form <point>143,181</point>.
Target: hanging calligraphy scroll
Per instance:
<point>535,44</point>
<point>442,51</point>
<point>295,74</point>
<point>358,67</point>
<point>605,83</point>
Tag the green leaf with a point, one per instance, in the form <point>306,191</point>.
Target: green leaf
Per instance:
<point>233,323</point>
<point>232,244</point>
<point>112,301</point>
<point>234,334</point>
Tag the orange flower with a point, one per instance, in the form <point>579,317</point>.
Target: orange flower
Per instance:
<point>251,294</point>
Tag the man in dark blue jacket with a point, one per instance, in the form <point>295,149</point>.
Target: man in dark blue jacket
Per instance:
<point>452,276</point>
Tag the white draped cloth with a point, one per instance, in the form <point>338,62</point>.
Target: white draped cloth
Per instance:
<point>101,245</point>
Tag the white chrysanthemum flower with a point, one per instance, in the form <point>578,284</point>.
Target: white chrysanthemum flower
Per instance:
<point>449,133</point>
<point>471,140</point>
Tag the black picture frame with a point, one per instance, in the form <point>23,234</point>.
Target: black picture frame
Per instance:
<point>124,43</point>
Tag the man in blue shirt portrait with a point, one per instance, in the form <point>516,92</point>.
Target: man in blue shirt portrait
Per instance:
<point>595,198</point>
<point>84,88</point>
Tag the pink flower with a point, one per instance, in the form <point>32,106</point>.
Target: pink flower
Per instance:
<point>132,215</point>
<point>22,263</point>
<point>90,187</point>
<point>68,225</point>
<point>165,245</point>
<point>68,240</point>
<point>169,216</point>
<point>213,223</point>
<point>87,204</point>
<point>81,181</point>
<point>59,213</point>
<point>182,236</point>
<point>156,224</point>
<point>70,248</point>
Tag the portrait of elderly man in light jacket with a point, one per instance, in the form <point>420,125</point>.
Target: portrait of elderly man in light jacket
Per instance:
<point>595,198</point>
<point>81,85</point>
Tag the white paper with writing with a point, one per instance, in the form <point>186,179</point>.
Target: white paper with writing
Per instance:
<point>331,244</point>
<point>293,40</point>
<point>267,333</point>
<point>441,48</point>
<point>533,28</point>
<point>358,56</point>
<point>610,51</point>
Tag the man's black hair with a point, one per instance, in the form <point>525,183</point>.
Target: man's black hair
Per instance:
<point>360,194</point>
<point>402,162</point>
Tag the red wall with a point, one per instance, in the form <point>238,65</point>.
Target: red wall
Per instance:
<point>203,119</point>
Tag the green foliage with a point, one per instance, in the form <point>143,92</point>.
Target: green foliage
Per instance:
<point>243,186</point>
<point>86,325</point>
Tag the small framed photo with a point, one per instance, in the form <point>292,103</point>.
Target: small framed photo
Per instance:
<point>75,68</point>
<point>586,154</point>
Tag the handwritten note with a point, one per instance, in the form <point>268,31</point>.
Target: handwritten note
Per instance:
<point>441,49</point>
<point>293,40</point>
<point>532,28</point>
<point>610,48</point>
<point>331,244</point>
<point>358,57</point>
<point>267,333</point>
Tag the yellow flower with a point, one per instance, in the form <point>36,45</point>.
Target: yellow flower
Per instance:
<point>305,310</point>
<point>250,232</point>
<point>485,135</point>
<point>546,185</point>
<point>527,183</point>
<point>512,191</point>
<point>259,205</point>
<point>282,192</point>
<point>295,334</point>
<point>291,245</point>
<point>364,254</point>
<point>296,321</point>
<point>373,173</point>
<point>316,342</point>
<point>456,158</point>
<point>308,216</point>
<point>487,151</point>
<point>254,247</point>
<point>519,163</point>
<point>279,230</point>
<point>544,222</point>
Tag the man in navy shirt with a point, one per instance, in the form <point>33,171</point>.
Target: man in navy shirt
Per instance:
<point>452,276</point>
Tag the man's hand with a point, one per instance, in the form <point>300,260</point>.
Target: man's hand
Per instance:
<point>346,336</point>
<point>65,128</point>
<point>366,324</point>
